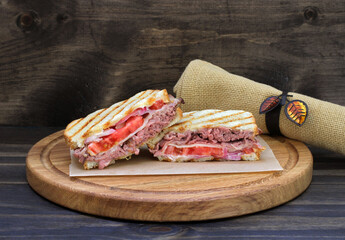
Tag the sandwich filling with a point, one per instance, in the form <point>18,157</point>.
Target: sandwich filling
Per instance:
<point>218,143</point>
<point>125,138</point>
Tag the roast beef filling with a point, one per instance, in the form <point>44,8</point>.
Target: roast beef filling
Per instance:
<point>221,143</point>
<point>157,121</point>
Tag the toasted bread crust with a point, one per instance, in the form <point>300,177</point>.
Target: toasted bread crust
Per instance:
<point>232,119</point>
<point>80,129</point>
<point>90,165</point>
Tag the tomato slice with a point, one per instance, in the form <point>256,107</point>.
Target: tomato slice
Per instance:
<point>206,151</point>
<point>248,150</point>
<point>200,151</point>
<point>157,105</point>
<point>131,125</point>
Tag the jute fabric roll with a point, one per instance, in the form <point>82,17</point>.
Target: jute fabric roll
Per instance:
<point>206,86</point>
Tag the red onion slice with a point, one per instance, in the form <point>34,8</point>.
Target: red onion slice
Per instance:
<point>137,112</point>
<point>98,137</point>
<point>233,155</point>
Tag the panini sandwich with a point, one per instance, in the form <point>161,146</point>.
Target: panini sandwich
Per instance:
<point>209,135</point>
<point>117,132</point>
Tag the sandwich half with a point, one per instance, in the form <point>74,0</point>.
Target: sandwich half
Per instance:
<point>209,135</point>
<point>117,132</point>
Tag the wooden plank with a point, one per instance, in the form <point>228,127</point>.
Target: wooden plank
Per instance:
<point>24,135</point>
<point>12,173</point>
<point>27,214</point>
<point>78,56</point>
<point>7,159</point>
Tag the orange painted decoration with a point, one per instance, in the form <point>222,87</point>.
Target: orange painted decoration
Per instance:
<point>269,104</point>
<point>296,111</point>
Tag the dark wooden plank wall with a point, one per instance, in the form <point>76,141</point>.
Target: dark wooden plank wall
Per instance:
<point>62,59</point>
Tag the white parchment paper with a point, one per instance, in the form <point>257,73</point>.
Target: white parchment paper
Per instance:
<point>146,164</point>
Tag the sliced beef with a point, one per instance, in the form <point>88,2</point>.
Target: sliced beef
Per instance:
<point>207,135</point>
<point>219,134</point>
<point>158,121</point>
<point>232,140</point>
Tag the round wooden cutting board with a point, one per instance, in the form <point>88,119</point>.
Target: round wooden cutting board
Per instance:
<point>169,197</point>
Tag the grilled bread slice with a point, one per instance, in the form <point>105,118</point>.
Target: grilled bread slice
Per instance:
<point>238,121</point>
<point>80,129</point>
<point>117,132</point>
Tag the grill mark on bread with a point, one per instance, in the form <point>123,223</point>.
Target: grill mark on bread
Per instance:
<point>83,126</point>
<point>234,120</point>
<point>132,102</point>
<point>94,122</point>
<point>107,112</point>
<point>68,129</point>
<point>217,120</point>
<point>142,95</point>
<point>149,100</point>
<point>191,116</point>
<point>113,108</point>
<point>226,119</point>
<point>88,122</point>
<point>75,122</point>
<point>242,124</point>
<point>116,109</point>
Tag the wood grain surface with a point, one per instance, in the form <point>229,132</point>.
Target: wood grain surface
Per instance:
<point>168,197</point>
<point>319,213</point>
<point>60,60</point>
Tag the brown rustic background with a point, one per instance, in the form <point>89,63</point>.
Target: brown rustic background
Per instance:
<point>60,60</point>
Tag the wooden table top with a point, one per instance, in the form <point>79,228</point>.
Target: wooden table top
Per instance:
<point>318,213</point>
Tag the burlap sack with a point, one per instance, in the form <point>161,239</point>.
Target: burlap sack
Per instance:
<point>206,86</point>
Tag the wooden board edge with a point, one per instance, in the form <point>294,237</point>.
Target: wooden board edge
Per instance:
<point>53,194</point>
